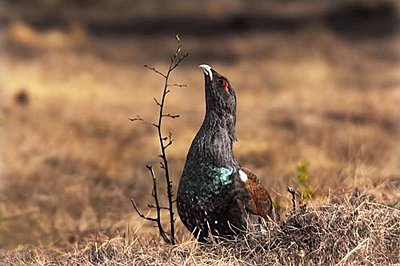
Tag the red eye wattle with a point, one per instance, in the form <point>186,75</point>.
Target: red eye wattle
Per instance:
<point>226,84</point>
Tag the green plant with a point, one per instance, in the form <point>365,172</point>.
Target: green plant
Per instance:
<point>303,180</point>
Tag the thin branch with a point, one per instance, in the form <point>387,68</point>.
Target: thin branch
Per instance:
<point>158,207</point>
<point>140,213</point>
<point>292,191</point>
<point>170,116</point>
<point>174,65</point>
<point>155,70</point>
<point>156,101</point>
<point>164,142</point>
<point>168,144</point>
<point>138,118</point>
<point>177,85</point>
<point>154,207</point>
<point>164,164</point>
<point>170,140</point>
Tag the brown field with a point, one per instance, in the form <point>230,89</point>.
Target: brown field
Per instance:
<point>71,160</point>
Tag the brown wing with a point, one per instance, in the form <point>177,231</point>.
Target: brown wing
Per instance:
<point>261,203</point>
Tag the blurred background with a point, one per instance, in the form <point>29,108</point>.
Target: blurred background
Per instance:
<point>317,82</point>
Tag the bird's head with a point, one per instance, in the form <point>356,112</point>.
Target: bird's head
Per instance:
<point>220,101</point>
<point>220,96</point>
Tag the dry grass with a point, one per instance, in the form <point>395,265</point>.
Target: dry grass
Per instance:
<point>349,231</point>
<point>71,160</point>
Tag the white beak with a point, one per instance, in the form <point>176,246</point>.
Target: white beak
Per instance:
<point>207,70</point>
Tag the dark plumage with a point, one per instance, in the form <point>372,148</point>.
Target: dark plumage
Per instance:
<point>216,195</point>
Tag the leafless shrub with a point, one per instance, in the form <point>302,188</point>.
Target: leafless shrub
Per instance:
<point>165,142</point>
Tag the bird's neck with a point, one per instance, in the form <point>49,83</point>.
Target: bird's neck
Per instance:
<point>213,143</point>
<point>216,121</point>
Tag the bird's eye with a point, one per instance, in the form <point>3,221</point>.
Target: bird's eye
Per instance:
<point>225,84</point>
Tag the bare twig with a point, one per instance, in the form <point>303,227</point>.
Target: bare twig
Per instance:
<point>155,70</point>
<point>292,191</point>
<point>156,101</point>
<point>177,85</point>
<point>140,213</point>
<point>170,116</point>
<point>154,207</point>
<point>138,118</point>
<point>165,142</point>
<point>158,207</point>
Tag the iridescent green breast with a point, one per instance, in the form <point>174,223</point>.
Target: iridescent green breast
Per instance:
<point>206,176</point>
<point>201,182</point>
<point>219,176</point>
<point>205,200</point>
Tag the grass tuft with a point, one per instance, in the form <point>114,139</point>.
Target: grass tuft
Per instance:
<point>349,230</point>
